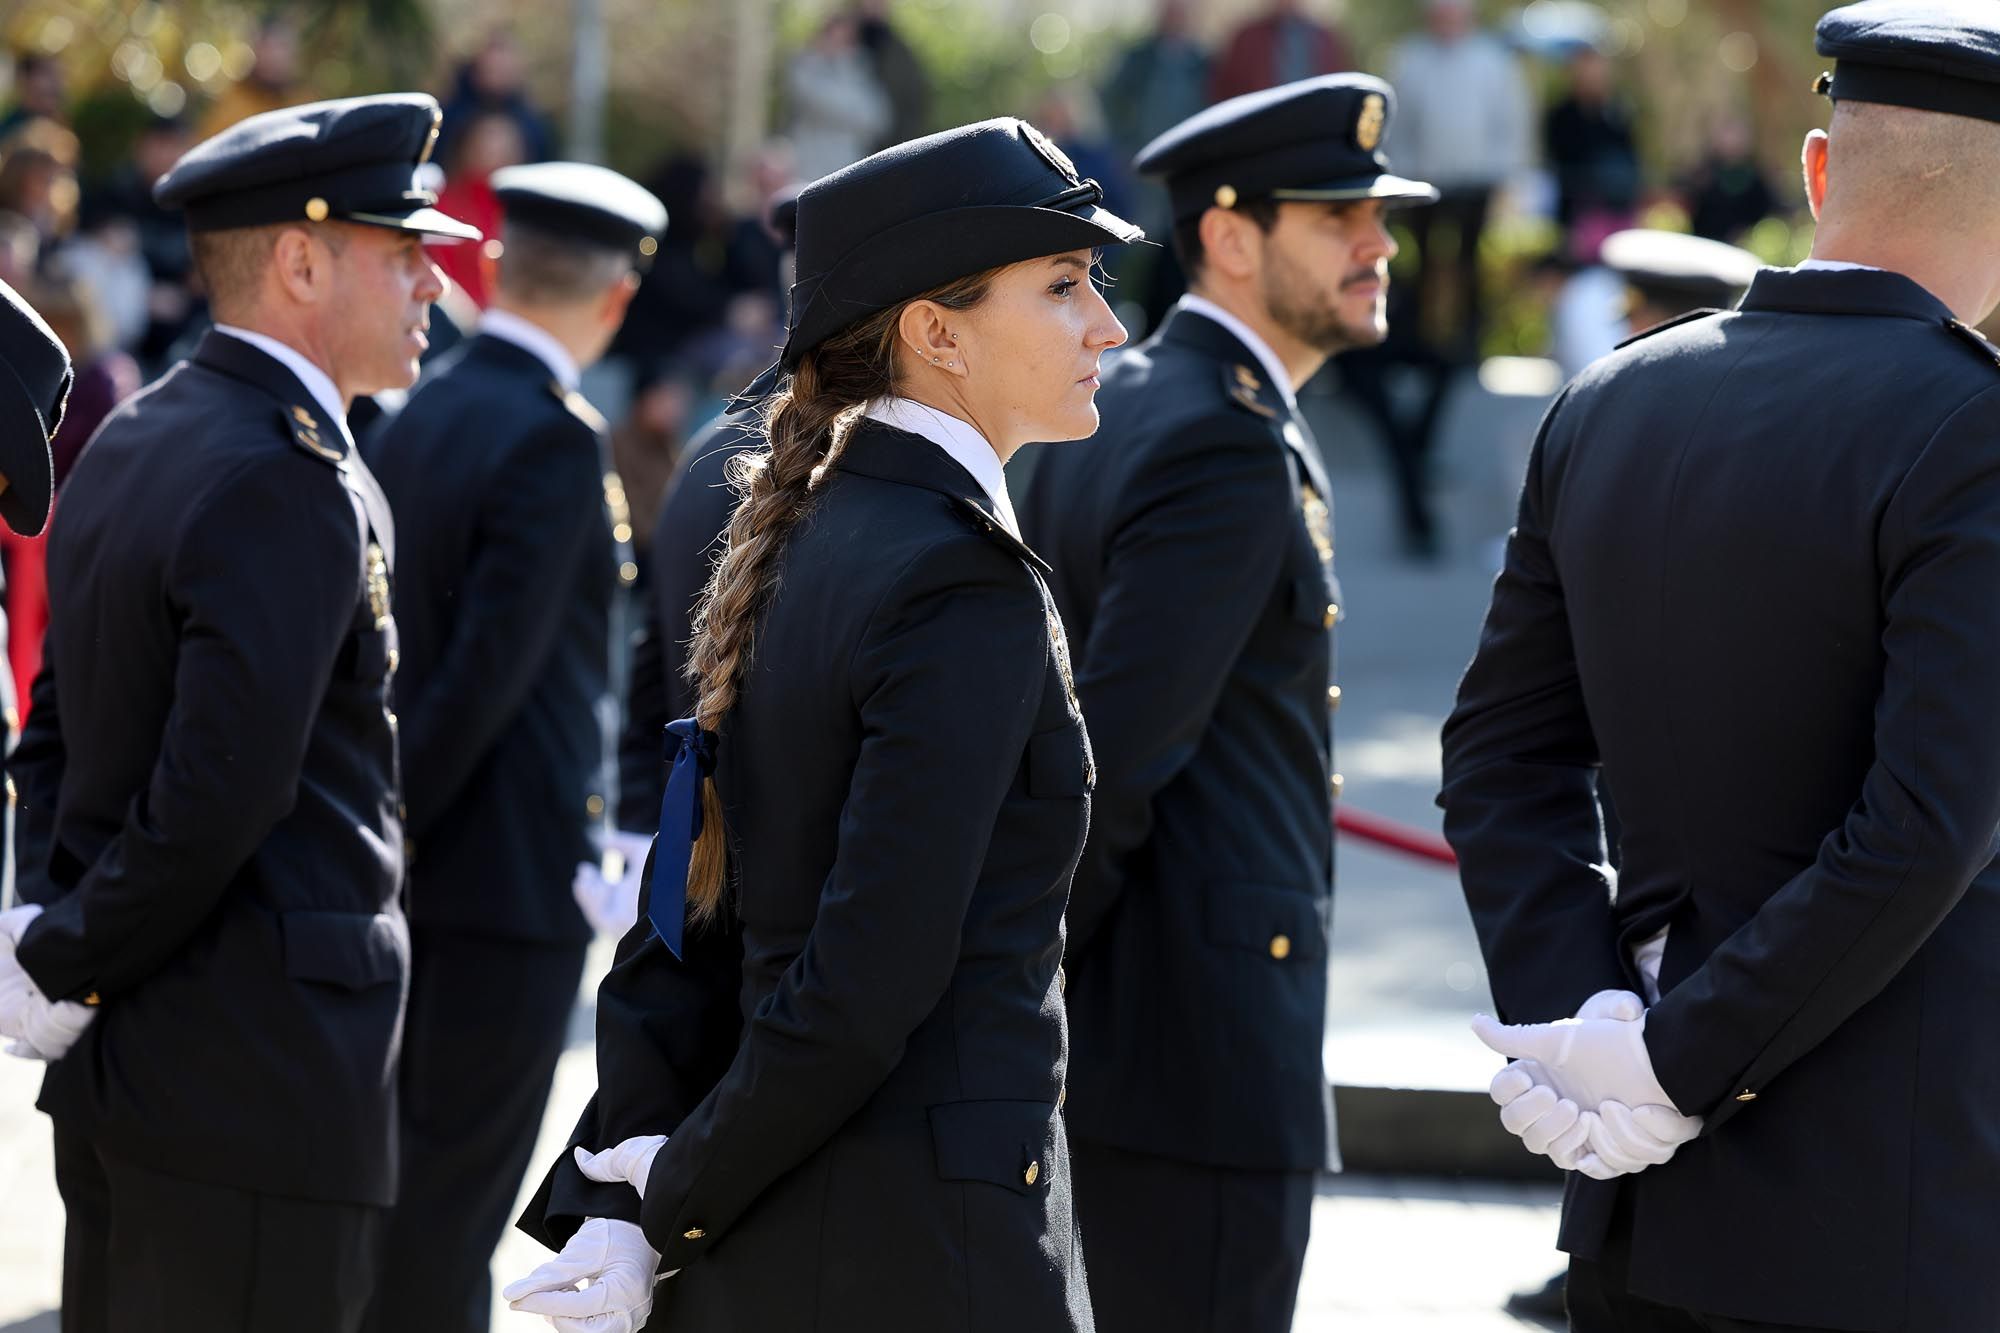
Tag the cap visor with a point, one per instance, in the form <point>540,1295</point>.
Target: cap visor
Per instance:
<point>426,220</point>
<point>1385,186</point>
<point>24,459</point>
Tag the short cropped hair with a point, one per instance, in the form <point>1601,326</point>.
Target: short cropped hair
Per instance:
<point>1262,210</point>
<point>231,261</point>
<point>541,268</point>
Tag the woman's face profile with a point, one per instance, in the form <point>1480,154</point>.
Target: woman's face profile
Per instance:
<point>1028,353</point>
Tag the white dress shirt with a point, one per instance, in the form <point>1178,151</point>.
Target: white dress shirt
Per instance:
<point>1274,369</point>
<point>960,439</point>
<point>318,383</point>
<point>1837,266</point>
<point>536,341</point>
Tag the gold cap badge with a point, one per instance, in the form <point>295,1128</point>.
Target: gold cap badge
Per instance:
<point>1368,126</point>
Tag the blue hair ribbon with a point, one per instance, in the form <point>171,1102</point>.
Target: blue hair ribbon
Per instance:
<point>691,750</point>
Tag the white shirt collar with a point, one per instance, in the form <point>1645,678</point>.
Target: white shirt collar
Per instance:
<point>537,341</point>
<point>1274,369</point>
<point>318,383</point>
<point>1837,266</point>
<point>960,439</point>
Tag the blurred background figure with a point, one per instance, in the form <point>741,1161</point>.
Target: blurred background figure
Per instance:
<point>489,139</point>
<point>273,81</point>
<point>1282,45</point>
<point>39,92</point>
<point>1727,192</point>
<point>127,193</point>
<point>494,82</point>
<point>1462,123</point>
<point>1156,82</point>
<point>840,109</point>
<point>20,250</point>
<point>38,177</point>
<point>1644,278</point>
<point>646,444</point>
<point>898,70</point>
<point>1587,138</point>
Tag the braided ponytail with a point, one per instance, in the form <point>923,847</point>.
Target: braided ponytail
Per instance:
<point>805,429</point>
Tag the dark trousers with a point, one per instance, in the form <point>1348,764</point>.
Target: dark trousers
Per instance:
<point>1599,1302</point>
<point>1172,1247</point>
<point>486,1025</point>
<point>1462,211</point>
<point>150,1253</point>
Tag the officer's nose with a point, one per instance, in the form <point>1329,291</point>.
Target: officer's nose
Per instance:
<point>1105,331</point>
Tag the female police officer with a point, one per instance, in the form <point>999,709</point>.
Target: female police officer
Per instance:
<point>857,1047</point>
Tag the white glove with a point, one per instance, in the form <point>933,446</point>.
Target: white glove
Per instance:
<point>1610,1138</point>
<point>38,1028</point>
<point>608,890</point>
<point>631,1161</point>
<point>614,1268</point>
<point>1545,1121</point>
<point>1587,1060</point>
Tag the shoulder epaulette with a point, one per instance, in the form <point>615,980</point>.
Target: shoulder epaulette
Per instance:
<point>1675,322</point>
<point>997,531</point>
<point>1241,384</point>
<point>580,408</point>
<point>310,436</point>
<point>1976,338</point>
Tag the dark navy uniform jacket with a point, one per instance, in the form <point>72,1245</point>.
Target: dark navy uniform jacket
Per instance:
<point>503,598</point>
<point>208,790</point>
<point>862,1072</point>
<point>1192,547</point>
<point>1755,577</point>
<point>687,541</point>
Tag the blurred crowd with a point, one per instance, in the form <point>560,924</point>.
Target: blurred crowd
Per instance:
<point>1507,127</point>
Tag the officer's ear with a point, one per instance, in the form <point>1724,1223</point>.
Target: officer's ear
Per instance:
<point>1813,159</point>
<point>301,266</point>
<point>1227,247</point>
<point>925,338</point>
<point>617,298</point>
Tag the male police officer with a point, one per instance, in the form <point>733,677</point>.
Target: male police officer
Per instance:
<point>1753,578</point>
<point>1193,552</point>
<point>207,787</point>
<point>511,549</point>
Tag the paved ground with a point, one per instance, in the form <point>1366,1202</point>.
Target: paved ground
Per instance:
<point>1387,1255</point>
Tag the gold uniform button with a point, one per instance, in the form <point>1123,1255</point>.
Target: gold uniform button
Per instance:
<point>1332,698</point>
<point>1332,614</point>
<point>1746,1096</point>
<point>395,659</point>
<point>1225,196</point>
<point>1281,947</point>
<point>693,1233</point>
<point>93,999</point>
<point>594,806</point>
<point>1032,1174</point>
<point>316,209</point>
<point>1334,784</point>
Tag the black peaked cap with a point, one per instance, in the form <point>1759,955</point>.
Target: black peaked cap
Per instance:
<point>591,204</point>
<point>355,160</point>
<point>1939,55</point>
<point>1678,266</point>
<point>34,386</point>
<point>1318,138</point>
<point>924,213</point>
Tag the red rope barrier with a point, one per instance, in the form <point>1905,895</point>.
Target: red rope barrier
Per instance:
<point>1386,832</point>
